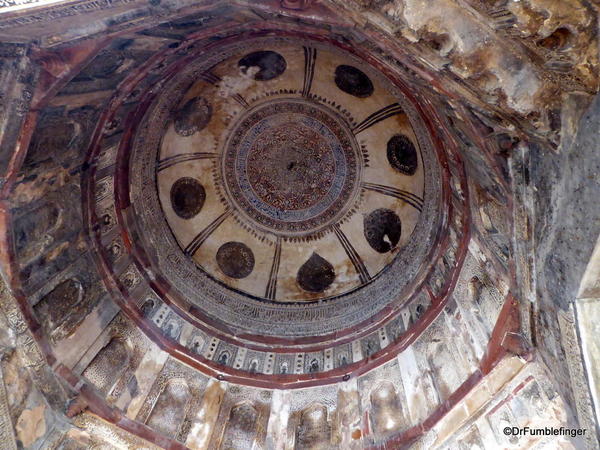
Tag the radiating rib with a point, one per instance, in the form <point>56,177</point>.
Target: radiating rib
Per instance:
<point>241,100</point>
<point>210,78</point>
<point>354,257</point>
<point>271,290</point>
<point>413,200</point>
<point>172,160</point>
<point>215,79</point>
<point>310,56</point>
<point>378,116</point>
<point>193,246</point>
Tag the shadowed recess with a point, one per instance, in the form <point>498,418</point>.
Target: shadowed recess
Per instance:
<point>103,66</point>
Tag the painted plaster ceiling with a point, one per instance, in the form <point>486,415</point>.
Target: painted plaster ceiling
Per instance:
<point>289,171</point>
<point>256,197</point>
<point>269,188</point>
<point>289,224</point>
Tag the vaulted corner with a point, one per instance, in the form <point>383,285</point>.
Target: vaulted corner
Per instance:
<point>298,224</point>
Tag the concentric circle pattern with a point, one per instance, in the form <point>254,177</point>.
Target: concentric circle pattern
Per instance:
<point>291,167</point>
<point>291,143</point>
<point>281,196</point>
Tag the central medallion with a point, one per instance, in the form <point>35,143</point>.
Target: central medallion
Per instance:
<point>291,167</point>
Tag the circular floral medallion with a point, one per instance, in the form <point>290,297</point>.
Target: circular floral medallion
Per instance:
<point>291,167</point>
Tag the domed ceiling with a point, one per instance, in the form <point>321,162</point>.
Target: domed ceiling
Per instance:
<point>288,171</point>
<point>282,195</point>
<point>291,224</point>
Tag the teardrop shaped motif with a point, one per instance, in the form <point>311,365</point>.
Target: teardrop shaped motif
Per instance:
<point>316,274</point>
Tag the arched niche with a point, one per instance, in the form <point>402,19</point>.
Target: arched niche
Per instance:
<point>241,428</point>
<point>60,310</point>
<point>386,413</point>
<point>109,365</point>
<point>443,370</point>
<point>34,230</point>
<point>314,430</point>
<point>170,408</point>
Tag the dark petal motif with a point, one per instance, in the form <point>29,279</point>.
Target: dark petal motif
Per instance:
<point>193,117</point>
<point>353,81</point>
<point>379,224</point>
<point>187,197</point>
<point>402,155</point>
<point>235,259</point>
<point>316,274</point>
<point>270,64</point>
